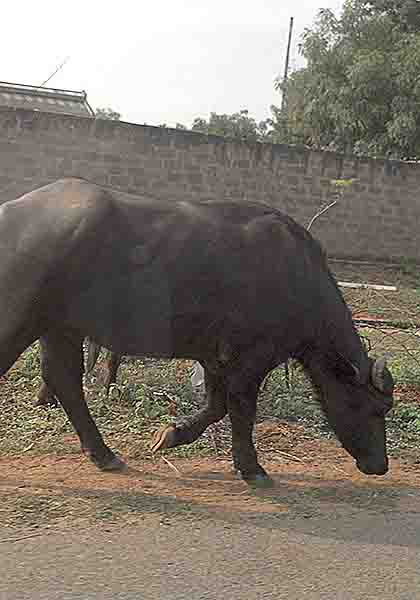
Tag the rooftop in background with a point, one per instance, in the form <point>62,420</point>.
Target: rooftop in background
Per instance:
<point>16,95</point>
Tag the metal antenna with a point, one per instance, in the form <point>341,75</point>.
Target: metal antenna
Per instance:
<point>56,71</point>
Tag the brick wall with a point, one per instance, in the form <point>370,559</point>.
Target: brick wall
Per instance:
<point>377,218</point>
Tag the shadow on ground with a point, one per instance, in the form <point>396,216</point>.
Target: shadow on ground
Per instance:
<point>327,499</point>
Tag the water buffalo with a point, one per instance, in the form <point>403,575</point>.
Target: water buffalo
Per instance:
<point>238,286</point>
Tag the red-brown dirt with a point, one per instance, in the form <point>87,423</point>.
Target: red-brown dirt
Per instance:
<point>310,475</point>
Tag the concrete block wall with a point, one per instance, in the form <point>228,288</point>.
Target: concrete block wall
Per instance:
<point>377,218</point>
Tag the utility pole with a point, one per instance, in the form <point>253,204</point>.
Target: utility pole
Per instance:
<point>286,65</point>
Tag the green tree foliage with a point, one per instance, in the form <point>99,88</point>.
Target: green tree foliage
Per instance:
<point>404,13</point>
<point>107,113</point>
<point>360,89</point>
<point>238,126</point>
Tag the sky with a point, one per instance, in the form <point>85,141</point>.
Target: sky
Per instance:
<point>157,61</point>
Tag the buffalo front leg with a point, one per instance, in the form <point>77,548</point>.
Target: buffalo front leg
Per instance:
<point>243,386</point>
<point>242,405</point>
<point>62,371</point>
<point>189,429</point>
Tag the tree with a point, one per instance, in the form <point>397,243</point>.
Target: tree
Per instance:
<point>360,89</point>
<point>404,13</point>
<point>107,113</point>
<point>237,126</point>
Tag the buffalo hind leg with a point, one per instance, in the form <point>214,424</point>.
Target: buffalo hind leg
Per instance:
<point>13,345</point>
<point>62,371</point>
<point>189,429</point>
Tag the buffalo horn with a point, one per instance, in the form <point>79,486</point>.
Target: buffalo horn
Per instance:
<point>378,369</point>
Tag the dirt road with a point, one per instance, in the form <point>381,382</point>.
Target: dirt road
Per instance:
<point>366,556</point>
<point>324,532</point>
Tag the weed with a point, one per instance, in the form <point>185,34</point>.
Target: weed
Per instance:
<point>409,266</point>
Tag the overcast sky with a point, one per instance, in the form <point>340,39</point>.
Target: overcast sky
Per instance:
<point>157,61</point>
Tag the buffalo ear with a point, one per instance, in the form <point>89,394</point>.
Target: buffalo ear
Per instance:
<point>345,368</point>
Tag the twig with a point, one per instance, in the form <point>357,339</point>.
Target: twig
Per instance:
<point>173,467</point>
<point>408,350</point>
<point>391,305</point>
<point>319,213</point>
<point>287,455</point>
<point>367,286</point>
<point>367,263</point>
<point>399,326</point>
<point>73,471</point>
<point>342,471</point>
<point>24,537</point>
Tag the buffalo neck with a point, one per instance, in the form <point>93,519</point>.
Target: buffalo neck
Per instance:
<point>338,339</point>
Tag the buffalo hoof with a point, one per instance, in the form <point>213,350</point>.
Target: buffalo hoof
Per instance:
<point>164,438</point>
<point>260,481</point>
<point>116,464</point>
<point>257,481</point>
<point>111,464</point>
<point>50,402</point>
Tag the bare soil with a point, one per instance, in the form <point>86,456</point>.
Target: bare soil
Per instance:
<point>401,305</point>
<point>311,476</point>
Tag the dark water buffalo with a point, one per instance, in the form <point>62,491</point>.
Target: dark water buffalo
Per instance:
<point>240,287</point>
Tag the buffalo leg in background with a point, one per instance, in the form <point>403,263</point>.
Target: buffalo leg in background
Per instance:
<point>45,395</point>
<point>47,398</point>
<point>113,361</point>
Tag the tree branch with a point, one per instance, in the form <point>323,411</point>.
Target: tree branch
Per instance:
<point>319,213</point>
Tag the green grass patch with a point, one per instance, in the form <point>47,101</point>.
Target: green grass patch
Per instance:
<point>148,390</point>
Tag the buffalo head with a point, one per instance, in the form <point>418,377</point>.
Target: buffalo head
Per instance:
<point>355,406</point>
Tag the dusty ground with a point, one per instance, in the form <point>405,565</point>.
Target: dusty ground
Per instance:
<point>311,476</point>
<point>189,529</point>
<point>340,542</point>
